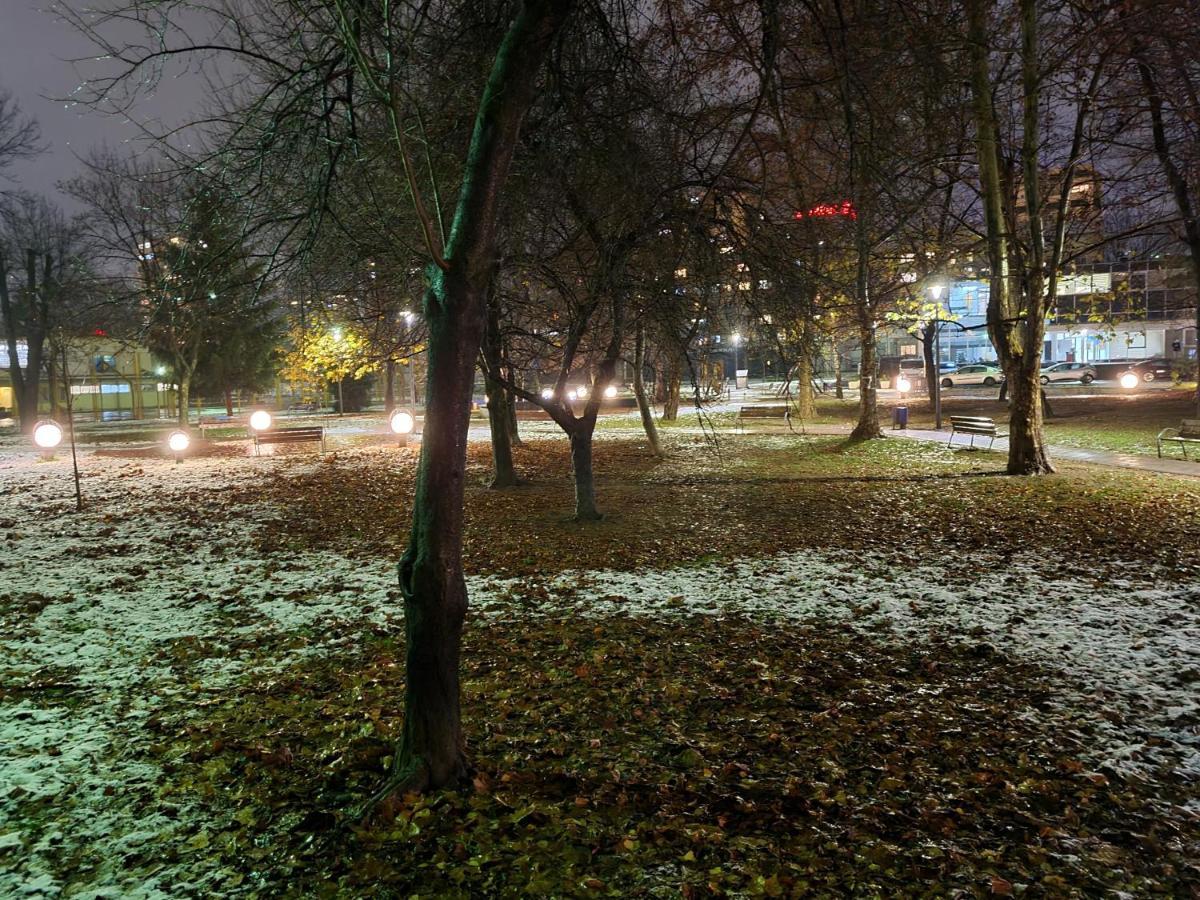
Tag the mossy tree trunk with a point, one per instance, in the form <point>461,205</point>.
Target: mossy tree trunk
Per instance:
<point>431,751</point>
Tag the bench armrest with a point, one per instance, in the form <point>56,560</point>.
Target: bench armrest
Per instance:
<point>1168,432</point>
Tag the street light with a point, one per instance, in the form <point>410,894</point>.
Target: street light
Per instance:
<point>47,434</point>
<point>177,442</point>
<point>260,420</point>
<point>611,391</point>
<point>1129,380</point>
<point>402,424</point>
<point>935,291</point>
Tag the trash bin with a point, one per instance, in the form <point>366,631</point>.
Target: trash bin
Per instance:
<point>900,417</point>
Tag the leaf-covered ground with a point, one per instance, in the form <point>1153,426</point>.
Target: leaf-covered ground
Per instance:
<point>792,668</point>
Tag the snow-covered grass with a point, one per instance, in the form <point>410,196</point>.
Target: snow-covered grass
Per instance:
<point>119,621</point>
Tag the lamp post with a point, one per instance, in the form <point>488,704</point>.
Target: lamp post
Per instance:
<point>337,336</point>
<point>935,291</point>
<point>737,353</point>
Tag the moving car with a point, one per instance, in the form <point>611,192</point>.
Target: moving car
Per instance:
<point>1152,369</point>
<point>1069,371</point>
<point>976,373</point>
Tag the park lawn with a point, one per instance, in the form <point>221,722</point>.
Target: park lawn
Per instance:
<point>780,666</point>
<point>1113,422</point>
<point>744,495</point>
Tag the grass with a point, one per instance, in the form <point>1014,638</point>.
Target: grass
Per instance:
<point>750,494</point>
<point>633,755</point>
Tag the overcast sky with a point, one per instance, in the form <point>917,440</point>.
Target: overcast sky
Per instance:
<point>35,52</point>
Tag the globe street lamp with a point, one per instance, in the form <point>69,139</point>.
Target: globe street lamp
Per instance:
<point>402,424</point>
<point>1129,380</point>
<point>260,420</point>
<point>47,434</point>
<point>177,442</point>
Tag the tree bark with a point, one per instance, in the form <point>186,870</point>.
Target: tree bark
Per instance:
<point>806,406</point>
<point>514,433</point>
<point>229,402</point>
<point>504,471</point>
<point>1025,442</point>
<point>932,374</point>
<point>431,753</point>
<point>184,395</point>
<point>389,386</point>
<point>581,464</point>
<point>868,386</point>
<point>639,391</point>
<point>674,383</point>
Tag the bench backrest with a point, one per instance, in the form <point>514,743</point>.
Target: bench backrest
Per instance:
<point>288,435</point>
<point>1189,428</point>
<point>978,424</point>
<point>762,412</point>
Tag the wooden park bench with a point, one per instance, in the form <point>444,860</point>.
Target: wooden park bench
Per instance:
<point>1188,432</point>
<point>975,426</point>
<point>300,435</point>
<point>779,411</point>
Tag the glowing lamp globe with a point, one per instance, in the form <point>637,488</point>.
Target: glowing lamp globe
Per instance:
<point>402,422</point>
<point>260,420</point>
<point>610,391</point>
<point>547,393</point>
<point>582,392</point>
<point>903,385</point>
<point>1129,380</point>
<point>47,434</point>
<point>178,441</point>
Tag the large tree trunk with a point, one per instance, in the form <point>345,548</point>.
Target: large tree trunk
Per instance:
<point>932,373</point>
<point>1027,450</point>
<point>806,406</point>
<point>505,473</point>
<point>581,463</point>
<point>868,386</point>
<point>639,391</point>
<point>389,386</point>
<point>431,751</point>
<point>184,397</point>
<point>674,383</point>
<point>229,402</point>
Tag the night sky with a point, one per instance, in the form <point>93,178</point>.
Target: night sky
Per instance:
<point>35,52</point>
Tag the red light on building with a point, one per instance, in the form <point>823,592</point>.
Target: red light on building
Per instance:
<point>99,332</point>
<point>844,210</point>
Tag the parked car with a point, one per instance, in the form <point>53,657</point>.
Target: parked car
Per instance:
<point>976,373</point>
<point>1069,371</point>
<point>1152,369</point>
